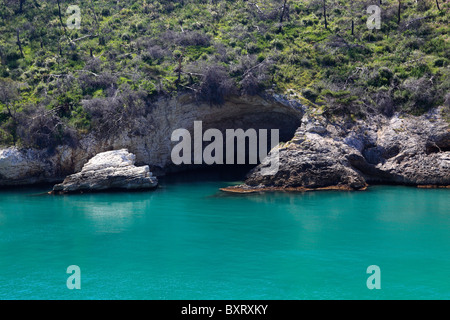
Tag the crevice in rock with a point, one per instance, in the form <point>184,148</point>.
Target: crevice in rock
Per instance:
<point>433,147</point>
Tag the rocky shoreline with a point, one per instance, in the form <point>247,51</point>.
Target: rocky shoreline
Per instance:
<point>324,153</point>
<point>338,155</point>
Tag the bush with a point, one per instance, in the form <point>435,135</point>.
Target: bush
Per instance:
<point>385,102</point>
<point>310,94</point>
<point>187,38</point>
<point>440,62</point>
<point>122,112</point>
<point>326,60</point>
<point>216,84</point>
<point>381,77</point>
<point>420,70</point>
<point>90,83</point>
<point>421,95</point>
<point>41,128</point>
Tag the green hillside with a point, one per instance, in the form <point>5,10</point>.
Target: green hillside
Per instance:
<point>58,82</point>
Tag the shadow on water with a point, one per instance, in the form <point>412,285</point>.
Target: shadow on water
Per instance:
<point>228,174</point>
<point>224,173</point>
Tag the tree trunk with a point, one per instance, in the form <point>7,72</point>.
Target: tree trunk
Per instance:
<point>60,17</point>
<point>325,13</point>
<point>399,11</point>
<point>353,27</point>
<point>21,2</point>
<point>437,4</point>
<point>95,18</point>
<point>179,70</point>
<point>14,120</point>
<point>283,12</point>
<point>19,43</point>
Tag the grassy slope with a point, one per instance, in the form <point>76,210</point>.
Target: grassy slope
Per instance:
<point>137,46</point>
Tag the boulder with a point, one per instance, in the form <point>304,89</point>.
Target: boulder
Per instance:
<point>109,170</point>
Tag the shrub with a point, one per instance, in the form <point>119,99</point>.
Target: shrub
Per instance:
<point>215,86</point>
<point>277,44</point>
<point>310,94</point>
<point>154,54</point>
<point>420,70</point>
<point>41,128</point>
<point>326,60</point>
<point>440,62</point>
<point>421,96</point>
<point>381,77</point>
<point>385,102</point>
<point>187,38</point>
<point>124,111</point>
<point>92,82</point>
<point>255,80</point>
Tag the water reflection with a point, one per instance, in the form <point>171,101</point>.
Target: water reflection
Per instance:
<point>113,213</point>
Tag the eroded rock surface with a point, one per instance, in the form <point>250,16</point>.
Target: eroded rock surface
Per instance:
<point>109,170</point>
<point>343,155</point>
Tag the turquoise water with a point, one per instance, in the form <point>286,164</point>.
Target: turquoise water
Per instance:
<point>186,240</point>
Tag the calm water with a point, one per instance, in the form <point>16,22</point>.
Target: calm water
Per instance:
<point>188,241</point>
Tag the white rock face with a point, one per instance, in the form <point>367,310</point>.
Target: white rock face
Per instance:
<point>109,170</point>
<point>30,166</point>
<point>21,167</point>
<point>116,159</point>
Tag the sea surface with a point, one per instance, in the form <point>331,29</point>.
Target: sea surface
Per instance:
<point>188,240</point>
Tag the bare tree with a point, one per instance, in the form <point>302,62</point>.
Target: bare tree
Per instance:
<point>216,84</point>
<point>9,93</point>
<point>21,3</point>
<point>437,4</point>
<point>60,17</point>
<point>283,12</point>
<point>325,13</point>
<point>179,56</point>
<point>19,43</point>
<point>353,16</point>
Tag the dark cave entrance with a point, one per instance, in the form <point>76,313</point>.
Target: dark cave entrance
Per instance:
<point>269,127</point>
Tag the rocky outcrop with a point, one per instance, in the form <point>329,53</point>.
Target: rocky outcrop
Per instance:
<point>344,155</point>
<point>324,153</point>
<point>152,147</point>
<point>106,171</point>
<point>24,167</point>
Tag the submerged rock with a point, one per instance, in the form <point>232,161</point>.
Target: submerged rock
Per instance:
<point>109,170</point>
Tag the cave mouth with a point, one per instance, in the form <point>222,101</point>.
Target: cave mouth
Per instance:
<point>270,128</point>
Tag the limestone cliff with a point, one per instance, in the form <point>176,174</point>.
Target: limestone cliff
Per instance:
<point>23,167</point>
<point>323,153</point>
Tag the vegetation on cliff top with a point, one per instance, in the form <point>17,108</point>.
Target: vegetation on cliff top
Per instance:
<point>58,82</point>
